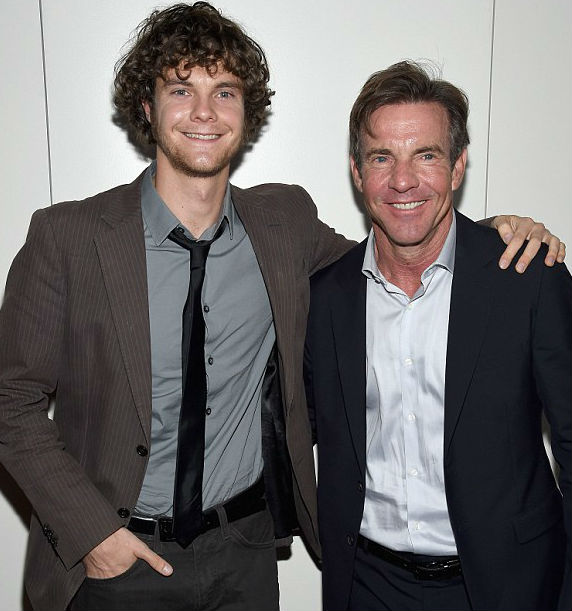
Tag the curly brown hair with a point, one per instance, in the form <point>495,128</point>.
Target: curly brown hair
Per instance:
<point>180,37</point>
<point>410,82</point>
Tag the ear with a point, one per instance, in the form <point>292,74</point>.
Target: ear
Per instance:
<point>459,170</point>
<point>356,174</point>
<point>147,109</point>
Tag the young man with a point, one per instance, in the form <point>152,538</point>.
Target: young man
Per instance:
<point>428,369</point>
<point>168,318</point>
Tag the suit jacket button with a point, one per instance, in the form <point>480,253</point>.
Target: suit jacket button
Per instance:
<point>142,451</point>
<point>350,539</point>
<point>123,512</point>
<point>360,487</point>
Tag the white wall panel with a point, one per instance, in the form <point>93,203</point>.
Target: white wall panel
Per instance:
<point>530,168</point>
<point>25,187</point>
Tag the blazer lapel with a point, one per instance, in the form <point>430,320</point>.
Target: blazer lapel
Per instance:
<point>121,250</point>
<point>468,316</point>
<point>348,309</point>
<point>270,236</point>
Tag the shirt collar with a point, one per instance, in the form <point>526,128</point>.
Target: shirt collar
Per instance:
<point>160,221</point>
<point>446,258</point>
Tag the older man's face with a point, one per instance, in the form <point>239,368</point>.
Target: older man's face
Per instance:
<point>406,176</point>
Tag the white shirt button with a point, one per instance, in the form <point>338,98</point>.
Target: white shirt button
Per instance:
<point>413,472</point>
<point>411,417</point>
<point>408,361</point>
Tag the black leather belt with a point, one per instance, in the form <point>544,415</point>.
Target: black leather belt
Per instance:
<point>443,567</point>
<point>244,504</point>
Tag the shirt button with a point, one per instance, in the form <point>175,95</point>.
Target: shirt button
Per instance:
<point>410,306</point>
<point>210,360</point>
<point>206,309</point>
<point>417,525</point>
<point>208,411</point>
<point>142,451</point>
<point>123,512</point>
<point>413,472</point>
<point>408,361</point>
<point>411,417</point>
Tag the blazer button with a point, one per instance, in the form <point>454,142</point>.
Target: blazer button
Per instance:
<point>350,540</point>
<point>123,512</point>
<point>142,451</point>
<point>360,487</point>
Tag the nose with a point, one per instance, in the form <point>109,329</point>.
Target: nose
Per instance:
<point>202,108</point>
<point>403,177</point>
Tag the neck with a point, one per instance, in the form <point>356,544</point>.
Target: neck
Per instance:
<point>403,265</point>
<point>195,201</point>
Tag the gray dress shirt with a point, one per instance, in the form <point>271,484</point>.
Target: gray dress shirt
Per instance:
<point>239,338</point>
<point>405,503</point>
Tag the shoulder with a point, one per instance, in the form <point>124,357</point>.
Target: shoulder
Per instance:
<point>78,215</point>
<point>346,266</point>
<point>274,195</point>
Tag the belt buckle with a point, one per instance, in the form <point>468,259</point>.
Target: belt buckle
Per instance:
<point>436,570</point>
<point>165,528</point>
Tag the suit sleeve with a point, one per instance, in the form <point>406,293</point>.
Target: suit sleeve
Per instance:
<point>552,353</point>
<point>324,245</point>
<point>74,514</point>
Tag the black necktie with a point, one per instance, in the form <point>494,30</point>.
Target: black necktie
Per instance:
<point>188,495</point>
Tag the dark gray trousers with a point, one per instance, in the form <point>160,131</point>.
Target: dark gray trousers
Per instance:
<point>380,586</point>
<point>230,568</point>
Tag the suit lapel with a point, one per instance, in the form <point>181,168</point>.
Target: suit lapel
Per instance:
<point>348,308</point>
<point>271,240</point>
<point>468,317</point>
<point>121,250</point>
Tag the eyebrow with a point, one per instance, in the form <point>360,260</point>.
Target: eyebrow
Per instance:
<point>432,148</point>
<point>187,83</point>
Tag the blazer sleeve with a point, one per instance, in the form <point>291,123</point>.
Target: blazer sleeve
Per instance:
<point>552,363</point>
<point>74,514</point>
<point>324,245</point>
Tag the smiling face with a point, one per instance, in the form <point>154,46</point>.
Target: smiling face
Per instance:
<point>406,177</point>
<point>197,121</point>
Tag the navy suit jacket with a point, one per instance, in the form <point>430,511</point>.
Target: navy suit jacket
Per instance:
<point>508,359</point>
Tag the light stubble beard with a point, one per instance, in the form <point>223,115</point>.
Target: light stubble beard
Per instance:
<point>180,163</point>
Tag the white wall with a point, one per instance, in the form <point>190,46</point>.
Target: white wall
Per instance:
<point>320,54</point>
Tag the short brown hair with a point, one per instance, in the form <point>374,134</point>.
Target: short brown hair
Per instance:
<point>183,36</point>
<point>403,83</point>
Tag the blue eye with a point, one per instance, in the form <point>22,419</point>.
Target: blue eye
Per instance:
<point>380,159</point>
<point>428,156</point>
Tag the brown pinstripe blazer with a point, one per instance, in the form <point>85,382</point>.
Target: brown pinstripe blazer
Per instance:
<point>74,323</point>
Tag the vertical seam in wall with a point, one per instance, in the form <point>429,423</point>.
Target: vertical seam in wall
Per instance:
<point>490,110</point>
<point>46,102</point>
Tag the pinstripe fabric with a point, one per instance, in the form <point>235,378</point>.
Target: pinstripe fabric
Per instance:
<point>75,322</point>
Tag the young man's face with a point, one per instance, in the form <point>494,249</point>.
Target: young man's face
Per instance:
<point>198,122</point>
<point>406,176</point>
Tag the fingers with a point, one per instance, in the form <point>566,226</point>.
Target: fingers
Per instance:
<point>556,249</point>
<point>117,553</point>
<point>153,560</point>
<point>514,230</point>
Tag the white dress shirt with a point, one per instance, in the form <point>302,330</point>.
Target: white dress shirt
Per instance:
<point>406,345</point>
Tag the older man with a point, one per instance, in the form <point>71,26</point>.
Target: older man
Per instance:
<point>428,370</point>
